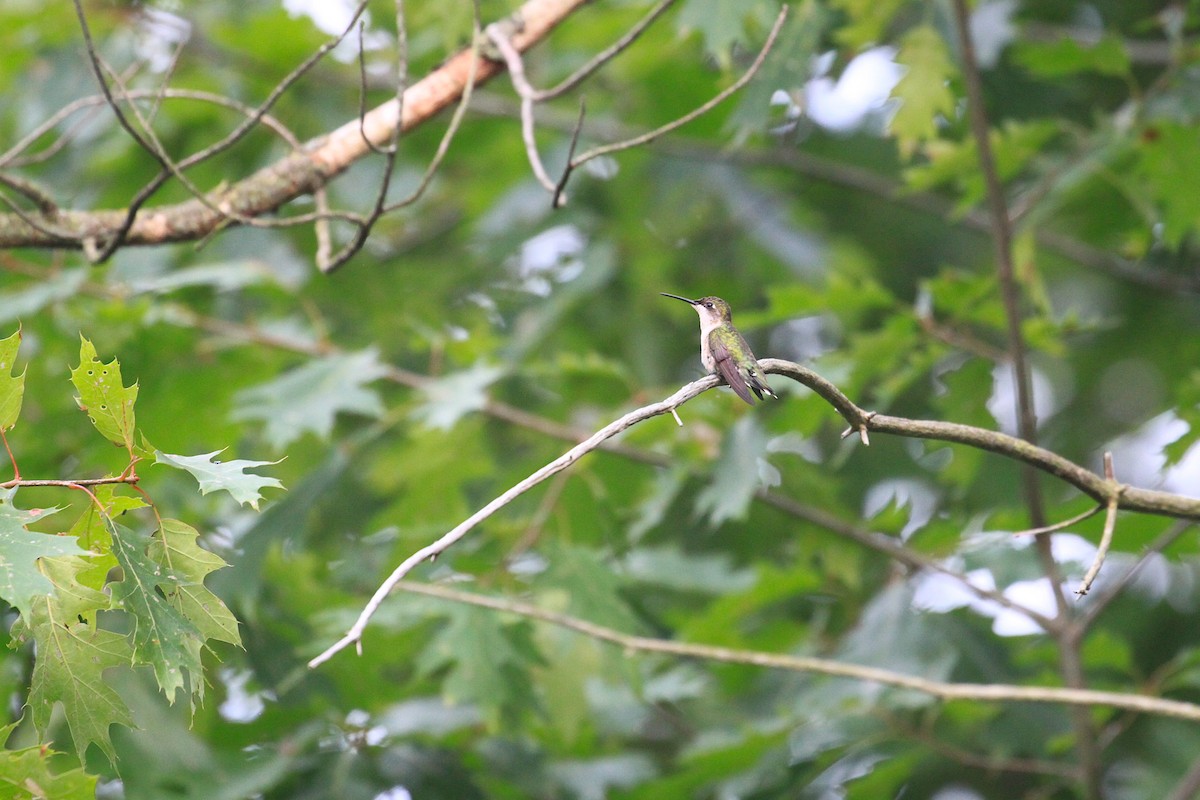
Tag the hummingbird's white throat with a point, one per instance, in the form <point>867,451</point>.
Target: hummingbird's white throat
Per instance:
<point>709,319</point>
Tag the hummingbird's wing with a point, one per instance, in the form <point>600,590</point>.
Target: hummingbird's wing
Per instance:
<point>727,367</point>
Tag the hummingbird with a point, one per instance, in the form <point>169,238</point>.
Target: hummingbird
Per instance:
<point>724,351</point>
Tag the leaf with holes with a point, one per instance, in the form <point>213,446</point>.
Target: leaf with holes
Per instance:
<point>12,387</point>
<point>227,475</point>
<point>107,401</point>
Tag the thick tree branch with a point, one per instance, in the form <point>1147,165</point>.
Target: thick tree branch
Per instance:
<point>297,174</point>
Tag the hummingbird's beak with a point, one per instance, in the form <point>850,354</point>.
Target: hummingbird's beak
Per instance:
<point>677,297</point>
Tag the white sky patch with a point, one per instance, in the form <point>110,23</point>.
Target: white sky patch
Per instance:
<point>240,705</point>
<point>940,593</point>
<point>863,87</point>
<point>333,17</point>
<point>553,256</point>
<point>161,33</point>
<point>1138,457</point>
<point>1003,402</point>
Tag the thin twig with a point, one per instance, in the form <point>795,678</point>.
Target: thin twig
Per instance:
<point>498,35</point>
<point>987,692</point>
<point>39,197</point>
<point>460,112</point>
<point>863,180</point>
<point>1111,591</point>
<point>1110,522</point>
<point>327,263</point>
<point>71,484</point>
<point>721,97</point>
<point>13,459</point>
<point>560,199</point>
<point>604,56</point>
<point>988,763</point>
<point>1058,526</point>
<point>890,547</point>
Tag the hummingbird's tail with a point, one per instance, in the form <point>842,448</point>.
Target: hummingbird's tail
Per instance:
<point>758,384</point>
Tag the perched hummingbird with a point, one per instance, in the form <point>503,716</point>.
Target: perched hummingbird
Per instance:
<point>724,351</point>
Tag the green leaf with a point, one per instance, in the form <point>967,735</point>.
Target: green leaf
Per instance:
<point>164,637</point>
<point>671,567</point>
<point>488,661</point>
<point>1187,407</point>
<point>229,476</point>
<point>720,22</point>
<point>12,387</point>
<point>28,302</point>
<point>107,401</point>
<point>924,91</point>
<point>736,476</point>
<point>309,398</point>
<point>1068,56</point>
<point>867,20</point>
<point>1169,167</point>
<point>92,532</point>
<point>451,398</point>
<point>30,769</point>
<point>72,656</point>
<point>176,549</point>
<point>20,550</point>
<point>590,583</point>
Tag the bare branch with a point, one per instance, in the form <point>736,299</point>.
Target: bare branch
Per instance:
<point>498,35</point>
<point>863,180</point>
<point>41,199</point>
<point>1110,521</point>
<point>604,56</point>
<point>301,173</point>
<point>1059,526</point>
<point>328,264</point>
<point>987,692</point>
<point>1111,592</point>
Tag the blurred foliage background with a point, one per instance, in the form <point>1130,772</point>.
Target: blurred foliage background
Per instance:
<point>837,203</point>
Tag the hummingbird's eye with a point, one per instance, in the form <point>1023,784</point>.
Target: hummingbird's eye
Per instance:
<point>708,305</point>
